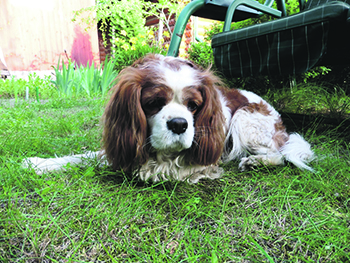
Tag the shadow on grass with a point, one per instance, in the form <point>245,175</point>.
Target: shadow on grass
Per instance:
<point>319,124</point>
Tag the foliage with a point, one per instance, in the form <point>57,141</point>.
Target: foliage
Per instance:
<point>164,10</point>
<point>16,87</point>
<point>121,22</point>
<point>336,76</point>
<point>292,7</point>
<point>84,81</point>
<point>138,48</point>
<point>108,76</point>
<point>201,53</point>
<point>118,19</point>
<point>214,28</point>
<point>64,78</point>
<point>313,73</point>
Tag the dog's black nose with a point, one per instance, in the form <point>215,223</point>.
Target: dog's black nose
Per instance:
<point>177,125</point>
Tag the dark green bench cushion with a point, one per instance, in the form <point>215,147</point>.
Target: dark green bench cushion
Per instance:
<point>314,3</point>
<point>288,45</point>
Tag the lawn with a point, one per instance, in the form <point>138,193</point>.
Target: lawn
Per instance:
<point>93,214</point>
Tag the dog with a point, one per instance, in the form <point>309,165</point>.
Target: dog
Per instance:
<point>168,118</point>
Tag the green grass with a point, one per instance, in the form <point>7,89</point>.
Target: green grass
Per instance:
<point>310,99</point>
<point>92,214</point>
<point>38,88</point>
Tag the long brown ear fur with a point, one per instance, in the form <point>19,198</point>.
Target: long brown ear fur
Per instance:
<point>125,124</point>
<point>209,125</point>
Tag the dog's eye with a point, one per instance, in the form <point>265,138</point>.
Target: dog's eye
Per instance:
<point>157,103</point>
<point>192,106</point>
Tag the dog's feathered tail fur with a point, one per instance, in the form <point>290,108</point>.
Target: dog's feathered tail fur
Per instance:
<point>298,151</point>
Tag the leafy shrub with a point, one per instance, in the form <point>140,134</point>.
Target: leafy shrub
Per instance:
<point>136,48</point>
<point>117,19</point>
<point>213,29</point>
<point>201,53</point>
<point>121,22</point>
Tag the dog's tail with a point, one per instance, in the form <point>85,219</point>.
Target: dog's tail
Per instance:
<point>43,165</point>
<point>298,151</point>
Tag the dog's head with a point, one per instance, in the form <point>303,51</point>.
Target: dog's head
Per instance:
<point>163,104</point>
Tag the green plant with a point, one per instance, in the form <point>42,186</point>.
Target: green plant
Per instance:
<point>337,76</point>
<point>87,80</point>
<point>126,56</point>
<point>80,81</point>
<point>201,53</point>
<point>315,72</point>
<point>165,11</point>
<point>118,19</point>
<point>121,22</point>
<point>214,28</point>
<point>16,87</point>
<point>108,77</point>
<point>44,86</point>
<point>292,7</point>
<point>64,81</point>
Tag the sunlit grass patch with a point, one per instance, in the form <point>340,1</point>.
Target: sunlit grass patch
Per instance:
<point>88,214</point>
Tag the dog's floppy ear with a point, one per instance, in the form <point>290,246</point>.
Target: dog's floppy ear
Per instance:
<point>125,124</point>
<point>209,125</point>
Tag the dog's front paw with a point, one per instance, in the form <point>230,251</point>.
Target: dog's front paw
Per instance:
<point>248,163</point>
<point>211,172</point>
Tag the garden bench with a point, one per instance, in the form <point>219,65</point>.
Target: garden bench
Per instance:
<point>318,35</point>
<point>217,10</point>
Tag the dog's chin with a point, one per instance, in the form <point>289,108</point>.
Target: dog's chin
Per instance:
<point>174,147</point>
<point>163,140</point>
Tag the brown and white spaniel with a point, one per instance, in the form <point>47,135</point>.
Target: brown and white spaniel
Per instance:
<point>170,119</point>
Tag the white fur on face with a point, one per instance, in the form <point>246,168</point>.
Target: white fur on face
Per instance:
<point>164,139</point>
<point>161,137</point>
<point>178,80</point>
